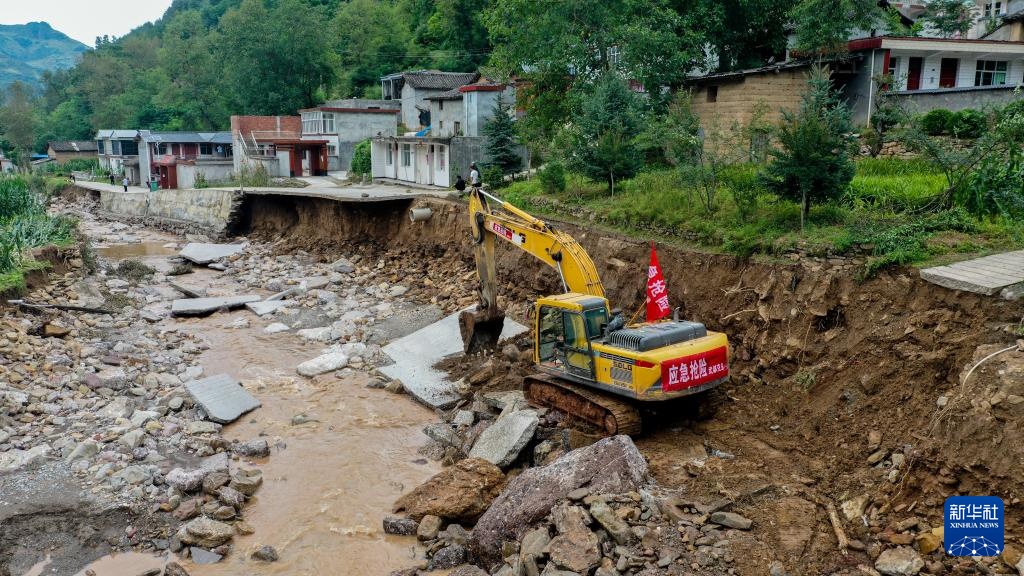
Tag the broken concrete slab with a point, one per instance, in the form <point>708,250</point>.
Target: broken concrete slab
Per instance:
<point>323,364</point>
<point>264,308</point>
<point>206,253</point>
<point>416,354</point>
<point>203,306</point>
<point>315,282</point>
<point>190,291</point>
<point>222,398</point>
<point>502,441</point>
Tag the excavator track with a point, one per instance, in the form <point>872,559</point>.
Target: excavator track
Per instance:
<point>605,412</point>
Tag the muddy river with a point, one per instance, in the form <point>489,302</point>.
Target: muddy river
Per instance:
<point>329,481</point>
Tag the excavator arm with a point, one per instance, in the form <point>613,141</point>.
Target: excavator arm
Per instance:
<point>490,219</point>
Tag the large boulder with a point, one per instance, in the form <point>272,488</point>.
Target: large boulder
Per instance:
<point>612,465</point>
<point>901,561</point>
<point>205,532</point>
<point>460,493</point>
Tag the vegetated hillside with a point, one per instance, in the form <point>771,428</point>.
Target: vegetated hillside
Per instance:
<point>27,50</point>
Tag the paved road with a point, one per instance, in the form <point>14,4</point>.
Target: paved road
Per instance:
<point>997,274</point>
<point>319,188</point>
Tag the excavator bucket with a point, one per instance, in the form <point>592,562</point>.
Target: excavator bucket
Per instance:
<point>481,329</point>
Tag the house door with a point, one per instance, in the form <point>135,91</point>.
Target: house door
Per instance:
<point>914,66</point>
<point>947,73</point>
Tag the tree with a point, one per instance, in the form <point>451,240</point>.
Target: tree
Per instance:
<point>372,39</point>
<point>824,27</point>
<point>743,33</point>
<point>193,91</point>
<point>501,140</point>
<point>17,117</point>
<point>456,35</point>
<point>576,42</point>
<point>605,132</point>
<point>949,18</point>
<point>813,161</point>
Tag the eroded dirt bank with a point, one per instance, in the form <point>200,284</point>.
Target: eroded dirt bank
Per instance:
<point>844,391</point>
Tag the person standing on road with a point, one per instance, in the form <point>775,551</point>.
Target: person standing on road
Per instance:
<point>125,183</point>
<point>111,178</point>
<point>474,175</point>
<point>460,184</point>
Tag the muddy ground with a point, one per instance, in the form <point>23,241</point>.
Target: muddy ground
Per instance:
<point>828,370</point>
<point>845,391</point>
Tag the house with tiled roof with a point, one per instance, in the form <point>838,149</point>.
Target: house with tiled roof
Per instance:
<point>180,159</point>
<point>64,150</point>
<point>413,89</point>
<point>450,135</point>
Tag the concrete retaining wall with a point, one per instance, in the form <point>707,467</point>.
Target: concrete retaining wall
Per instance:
<point>208,209</point>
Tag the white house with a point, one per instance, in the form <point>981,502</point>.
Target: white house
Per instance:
<point>345,123</point>
<point>453,140</point>
<point>413,89</point>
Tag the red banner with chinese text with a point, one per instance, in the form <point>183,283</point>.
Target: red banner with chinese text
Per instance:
<point>657,291</point>
<point>689,371</point>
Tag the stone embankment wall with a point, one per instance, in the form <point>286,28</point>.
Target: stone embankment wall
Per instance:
<point>207,208</point>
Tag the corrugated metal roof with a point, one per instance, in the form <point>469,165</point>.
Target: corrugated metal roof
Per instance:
<point>117,134</point>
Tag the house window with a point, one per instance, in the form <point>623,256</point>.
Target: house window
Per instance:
<point>458,128</point>
<point>406,154</point>
<point>161,149</point>
<point>205,149</point>
<point>130,148</point>
<point>389,158</point>
<point>310,122</point>
<point>894,66</point>
<point>440,158</point>
<point>117,147</point>
<point>993,9</point>
<point>328,123</point>
<point>440,125</point>
<point>990,73</point>
<point>332,150</point>
<point>614,56</point>
<point>712,93</point>
<point>101,146</point>
<point>440,104</point>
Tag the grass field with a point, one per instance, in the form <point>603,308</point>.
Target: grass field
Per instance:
<point>889,214</point>
<point>24,225</point>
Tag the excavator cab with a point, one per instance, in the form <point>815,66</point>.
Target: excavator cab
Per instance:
<point>565,327</point>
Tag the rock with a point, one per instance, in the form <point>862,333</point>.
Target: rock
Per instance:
<point>502,441</point>
<point>247,481</point>
<point>534,542</point>
<point>616,527</point>
<point>204,306</point>
<point>467,570</point>
<point>133,475</point>
<point>400,526</point>
<point>185,481</point>
<point>202,253</point>
<point>276,328</point>
<point>343,266</point>
<point>113,378</point>
<point>460,493</point>
<point>1020,566</point>
<point>264,308</point>
<point>14,459</point>
<point>174,569</point>
<point>429,526</point>
<point>448,557</point>
<point>874,440</point>
<point>258,448</point>
<point>731,520</point>
<point>322,364</point>
<point>853,508</point>
<point>928,542</point>
<point>132,438</point>
<point>611,465</point>
<point>265,554</point>
<point>222,398</point>
<point>464,418</point>
<point>83,451</point>
<point>231,497</point>
<point>215,480</point>
<point>202,427</point>
<point>576,548</point>
<point>202,556</point>
<point>205,532</point>
<point>901,561</point>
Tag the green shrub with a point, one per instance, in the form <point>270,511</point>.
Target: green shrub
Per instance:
<point>361,159</point>
<point>552,177</point>
<point>746,188</point>
<point>968,123</point>
<point>493,176</point>
<point>936,122</point>
<point>201,181</point>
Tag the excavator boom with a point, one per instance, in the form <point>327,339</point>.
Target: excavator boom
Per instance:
<point>492,218</point>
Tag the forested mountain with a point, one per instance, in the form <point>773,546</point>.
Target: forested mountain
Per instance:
<point>26,50</point>
<point>205,60</point>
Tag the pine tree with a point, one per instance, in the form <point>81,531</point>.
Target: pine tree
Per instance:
<point>501,139</point>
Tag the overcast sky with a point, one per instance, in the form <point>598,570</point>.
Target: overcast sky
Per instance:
<point>84,20</point>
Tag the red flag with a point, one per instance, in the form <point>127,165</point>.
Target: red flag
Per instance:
<point>657,291</point>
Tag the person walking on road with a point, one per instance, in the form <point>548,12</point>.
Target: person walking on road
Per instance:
<point>474,175</point>
<point>125,183</point>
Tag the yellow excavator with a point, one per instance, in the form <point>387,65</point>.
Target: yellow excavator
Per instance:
<point>591,366</point>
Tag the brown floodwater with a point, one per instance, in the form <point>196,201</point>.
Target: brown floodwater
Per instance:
<point>137,250</point>
<point>328,483</point>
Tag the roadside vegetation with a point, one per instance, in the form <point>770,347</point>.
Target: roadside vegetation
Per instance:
<point>24,225</point>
